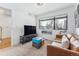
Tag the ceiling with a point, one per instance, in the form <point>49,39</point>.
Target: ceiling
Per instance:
<point>34,9</point>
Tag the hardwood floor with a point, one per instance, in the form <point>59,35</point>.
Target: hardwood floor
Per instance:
<point>6,42</point>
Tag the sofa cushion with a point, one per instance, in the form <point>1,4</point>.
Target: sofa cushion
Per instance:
<point>56,44</point>
<point>76,36</point>
<point>69,36</point>
<point>65,42</point>
<point>74,44</point>
<point>72,39</point>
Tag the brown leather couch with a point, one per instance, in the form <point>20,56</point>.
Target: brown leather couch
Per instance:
<point>57,51</point>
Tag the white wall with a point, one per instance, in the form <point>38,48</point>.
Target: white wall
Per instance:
<point>20,18</point>
<point>5,23</point>
<point>71,21</point>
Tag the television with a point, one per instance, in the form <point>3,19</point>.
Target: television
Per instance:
<point>29,29</point>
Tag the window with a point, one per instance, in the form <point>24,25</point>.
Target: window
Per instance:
<point>61,23</point>
<point>56,23</point>
<point>45,24</point>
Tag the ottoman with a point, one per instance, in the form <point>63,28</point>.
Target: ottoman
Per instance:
<point>36,42</point>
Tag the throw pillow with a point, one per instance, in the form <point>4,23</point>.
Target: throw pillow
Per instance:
<point>69,36</point>
<point>72,39</point>
<point>74,44</point>
<point>65,42</point>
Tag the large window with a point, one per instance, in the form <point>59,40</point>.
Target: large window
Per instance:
<point>61,23</point>
<point>45,24</point>
<point>56,23</point>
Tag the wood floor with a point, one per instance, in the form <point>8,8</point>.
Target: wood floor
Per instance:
<point>5,42</point>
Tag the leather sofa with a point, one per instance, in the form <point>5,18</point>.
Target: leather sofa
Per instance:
<point>58,51</point>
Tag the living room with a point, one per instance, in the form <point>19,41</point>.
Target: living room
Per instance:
<point>29,29</point>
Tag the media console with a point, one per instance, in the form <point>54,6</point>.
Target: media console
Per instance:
<point>27,38</point>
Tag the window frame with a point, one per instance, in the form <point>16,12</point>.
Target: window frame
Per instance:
<point>61,18</point>
<point>54,19</point>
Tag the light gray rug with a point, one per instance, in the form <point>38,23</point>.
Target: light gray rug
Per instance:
<point>24,50</point>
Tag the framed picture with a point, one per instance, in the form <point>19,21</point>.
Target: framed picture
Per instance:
<point>61,23</point>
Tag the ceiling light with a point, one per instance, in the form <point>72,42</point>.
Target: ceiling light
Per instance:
<point>39,4</point>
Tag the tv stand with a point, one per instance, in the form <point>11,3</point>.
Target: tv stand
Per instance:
<point>26,38</point>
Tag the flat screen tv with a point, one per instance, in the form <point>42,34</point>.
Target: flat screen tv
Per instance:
<point>29,29</point>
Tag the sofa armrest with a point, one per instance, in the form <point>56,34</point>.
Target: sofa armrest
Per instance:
<point>57,51</point>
